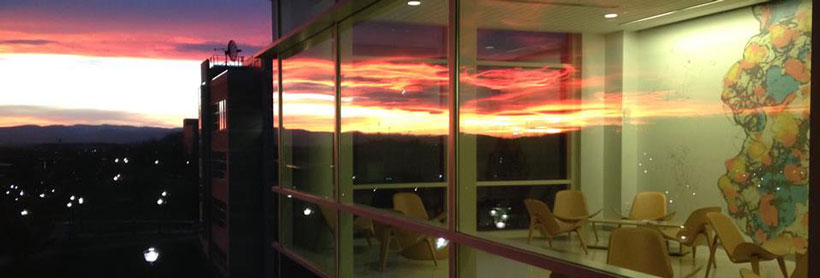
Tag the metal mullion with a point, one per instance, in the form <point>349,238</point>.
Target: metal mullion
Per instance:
<point>400,185</point>
<point>523,183</point>
<point>452,144</point>
<point>336,139</point>
<point>279,166</point>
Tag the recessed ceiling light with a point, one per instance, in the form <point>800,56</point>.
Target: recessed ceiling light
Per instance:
<point>611,15</point>
<point>413,3</point>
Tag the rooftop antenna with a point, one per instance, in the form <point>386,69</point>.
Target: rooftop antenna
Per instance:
<point>231,52</point>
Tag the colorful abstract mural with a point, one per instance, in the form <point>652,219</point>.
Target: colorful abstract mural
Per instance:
<point>768,92</point>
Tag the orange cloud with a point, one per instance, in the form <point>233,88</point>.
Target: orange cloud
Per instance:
<point>400,95</point>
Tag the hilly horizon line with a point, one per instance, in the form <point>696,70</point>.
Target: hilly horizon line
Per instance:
<point>88,125</point>
<point>81,133</point>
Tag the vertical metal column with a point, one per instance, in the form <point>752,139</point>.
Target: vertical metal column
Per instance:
<point>452,138</point>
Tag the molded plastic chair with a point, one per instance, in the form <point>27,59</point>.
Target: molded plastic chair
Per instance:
<point>641,249</point>
<point>740,251</point>
<point>541,218</point>
<point>411,244</point>
<point>360,224</point>
<point>648,206</point>
<point>801,267</point>
<point>693,229</point>
<point>571,206</point>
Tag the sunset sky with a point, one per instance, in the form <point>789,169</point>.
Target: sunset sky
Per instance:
<point>115,61</point>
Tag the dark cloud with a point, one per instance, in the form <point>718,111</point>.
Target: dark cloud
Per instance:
<point>28,42</point>
<point>75,116</point>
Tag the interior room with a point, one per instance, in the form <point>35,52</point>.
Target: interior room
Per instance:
<point>581,126</point>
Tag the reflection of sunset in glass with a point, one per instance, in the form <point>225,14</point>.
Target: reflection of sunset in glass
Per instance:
<point>401,96</point>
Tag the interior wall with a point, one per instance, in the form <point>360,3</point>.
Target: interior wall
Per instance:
<point>591,179</point>
<point>684,64</point>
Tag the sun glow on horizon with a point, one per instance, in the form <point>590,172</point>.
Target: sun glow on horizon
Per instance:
<point>50,89</point>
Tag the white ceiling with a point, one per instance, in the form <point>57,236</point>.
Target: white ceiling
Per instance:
<point>558,15</point>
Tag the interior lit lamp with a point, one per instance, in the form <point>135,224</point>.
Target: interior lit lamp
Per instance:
<point>413,3</point>
<point>610,15</point>
<point>151,255</point>
<point>24,212</point>
<point>307,211</point>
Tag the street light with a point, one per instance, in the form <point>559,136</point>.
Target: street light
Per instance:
<point>151,255</point>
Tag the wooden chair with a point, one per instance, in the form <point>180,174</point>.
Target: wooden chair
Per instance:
<point>641,249</point>
<point>360,224</point>
<point>648,206</point>
<point>541,218</point>
<point>571,207</point>
<point>411,244</point>
<point>693,231</point>
<point>740,251</point>
<point>801,267</point>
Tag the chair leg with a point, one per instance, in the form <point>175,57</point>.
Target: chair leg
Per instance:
<point>595,231</point>
<point>384,250</point>
<point>712,249</point>
<point>583,244</point>
<point>549,240</point>
<point>712,244</point>
<point>532,227</point>
<point>694,252</point>
<point>432,251</point>
<point>756,265</point>
<point>782,263</point>
<point>367,236</point>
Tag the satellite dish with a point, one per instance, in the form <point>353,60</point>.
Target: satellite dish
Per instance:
<point>232,51</point>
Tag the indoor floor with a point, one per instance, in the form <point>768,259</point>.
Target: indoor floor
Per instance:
<point>367,258</point>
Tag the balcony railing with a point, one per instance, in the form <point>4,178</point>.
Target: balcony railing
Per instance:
<point>223,60</point>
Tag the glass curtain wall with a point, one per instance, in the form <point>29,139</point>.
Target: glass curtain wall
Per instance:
<point>394,125</point>
<point>583,129</point>
<point>582,125</point>
<point>394,115</point>
<point>306,154</point>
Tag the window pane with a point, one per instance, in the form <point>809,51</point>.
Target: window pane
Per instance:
<point>377,249</point>
<point>307,230</point>
<point>394,106</point>
<point>474,263</point>
<point>656,113</point>
<point>308,118</point>
<point>295,13</point>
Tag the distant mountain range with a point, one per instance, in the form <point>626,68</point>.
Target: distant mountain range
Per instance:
<point>112,134</point>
